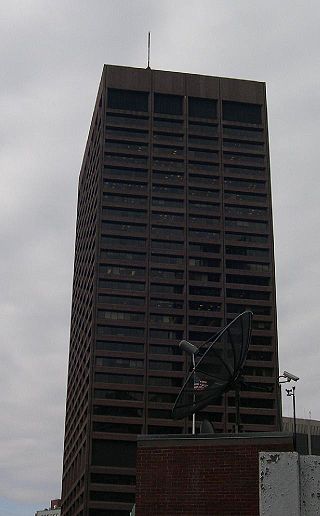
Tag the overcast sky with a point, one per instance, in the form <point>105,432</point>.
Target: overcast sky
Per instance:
<point>52,53</point>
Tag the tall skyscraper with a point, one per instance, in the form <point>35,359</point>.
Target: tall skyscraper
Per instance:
<point>174,238</point>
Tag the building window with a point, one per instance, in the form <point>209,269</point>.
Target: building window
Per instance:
<point>166,289</point>
<point>247,251</point>
<point>123,255</point>
<point>161,397</point>
<point>166,303</point>
<point>248,266</point>
<point>118,378</point>
<point>121,285</point>
<point>257,310</point>
<point>121,316</point>
<point>249,280</point>
<point>168,104</point>
<point>165,244</point>
<point>120,300</point>
<point>166,334</point>
<point>128,100</point>
<point>166,274</point>
<point>159,381</point>
<point>131,347</point>
<point>203,276</point>
<point>121,271</point>
<point>123,241</point>
<point>246,237</point>
<point>167,203</point>
<point>113,453</point>
<point>203,234</point>
<point>243,132</point>
<point>248,294</point>
<point>166,319</point>
<point>112,478</point>
<point>203,306</point>
<point>118,212</point>
<point>99,426</point>
<point>163,258</point>
<point>204,248</point>
<point>103,394</point>
<point>165,366</point>
<point>120,331</point>
<point>162,349</point>
<point>241,112</point>
<point>202,108</point>
<point>105,410</point>
<point>204,291</point>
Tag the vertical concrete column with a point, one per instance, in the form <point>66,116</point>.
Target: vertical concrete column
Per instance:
<point>279,491</point>
<point>310,485</point>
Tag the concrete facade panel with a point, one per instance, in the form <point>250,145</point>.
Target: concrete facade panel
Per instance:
<point>279,484</point>
<point>310,485</point>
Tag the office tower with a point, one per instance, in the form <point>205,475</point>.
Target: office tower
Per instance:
<point>173,239</point>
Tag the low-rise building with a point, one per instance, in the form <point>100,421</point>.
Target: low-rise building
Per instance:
<point>308,434</point>
<point>55,509</point>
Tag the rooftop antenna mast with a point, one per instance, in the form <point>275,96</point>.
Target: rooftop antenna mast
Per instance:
<point>149,41</point>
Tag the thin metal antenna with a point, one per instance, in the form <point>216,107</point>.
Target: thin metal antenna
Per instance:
<point>149,40</point>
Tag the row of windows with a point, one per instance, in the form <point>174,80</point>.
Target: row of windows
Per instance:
<point>121,331</point>
<point>163,231</point>
<point>164,104</point>
<point>141,202</point>
<point>161,397</point>
<point>178,139</point>
<point>248,266</point>
<point>134,272</point>
<point>202,129</point>
<point>176,246</point>
<point>179,203</point>
<point>138,364</point>
<point>116,270</point>
<point>116,143</point>
<point>119,362</point>
<point>171,233</point>
<point>199,179</point>
<point>123,255</point>
<point>121,316</point>
<point>155,381</point>
<point>168,104</point>
<point>256,309</point>
<point>132,347</point>
<point>158,303</point>
<point>113,156</point>
<point>175,319</point>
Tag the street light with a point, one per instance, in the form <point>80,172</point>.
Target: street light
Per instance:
<point>191,350</point>
<point>291,392</point>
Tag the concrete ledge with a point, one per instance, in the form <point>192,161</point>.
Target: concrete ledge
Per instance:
<point>174,440</point>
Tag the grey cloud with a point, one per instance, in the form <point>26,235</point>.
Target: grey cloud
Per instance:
<point>51,60</point>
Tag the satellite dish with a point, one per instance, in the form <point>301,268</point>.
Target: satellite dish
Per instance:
<point>218,369</point>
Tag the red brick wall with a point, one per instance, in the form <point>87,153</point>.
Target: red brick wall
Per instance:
<point>205,479</point>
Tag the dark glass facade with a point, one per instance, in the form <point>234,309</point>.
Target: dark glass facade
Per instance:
<point>174,239</point>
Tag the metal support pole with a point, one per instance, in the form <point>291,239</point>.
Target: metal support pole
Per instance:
<point>237,403</point>
<point>291,392</point>
<point>294,419</point>
<point>194,396</point>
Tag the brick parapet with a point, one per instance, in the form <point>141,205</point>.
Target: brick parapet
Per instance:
<point>204,476</point>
